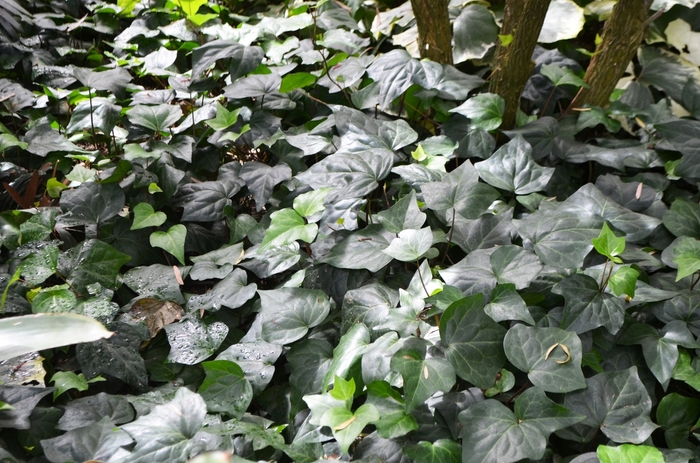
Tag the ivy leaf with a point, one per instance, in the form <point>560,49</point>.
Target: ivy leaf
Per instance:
<point>157,118</point>
<point>473,341</point>
<point>422,377</point>
<point>491,432</point>
<point>484,110</point>
<point>660,349</point>
<point>261,179</point>
<point>586,308</point>
<point>460,190</point>
<point>687,257</point>
<point>205,202</point>
<point>145,216</point>
<point>346,425</point>
<point>168,432</point>
<point>172,241</point>
<point>677,414</point>
<point>89,410</point>
<point>96,441</point>
<point>627,453</point>
<point>609,245</point>
<point>224,118</point>
<point>310,203</point>
<point>404,214</point>
<point>410,245</point>
<point>114,80</point>
<point>286,227</point>
<point>623,281</point>
<point>683,218</point>
<point>513,169</point>
<point>562,76</point>
<point>361,250</point>
<point>256,359</point>
<point>117,356</point>
<point>67,380</point>
<point>506,304</point>
<point>561,239</point>
<point>93,202</point>
<point>21,401</point>
<point>92,261</point>
<point>288,313</point>
<point>440,451</point>
<point>551,357</point>
<point>475,33</point>
<point>616,403</point>
<point>343,390</point>
<point>394,421</point>
<point>225,389</point>
<point>192,340</point>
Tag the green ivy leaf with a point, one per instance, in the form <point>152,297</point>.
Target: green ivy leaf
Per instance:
<point>193,340</point>
<point>403,215</point>
<point>474,342</point>
<point>562,76</point>
<point>623,281</point>
<point>172,241</point>
<point>440,451</point>
<point>225,389</point>
<point>513,169</point>
<point>621,408</point>
<point>422,377</point>
<point>687,257</point>
<point>586,308</point>
<point>346,425</point>
<point>343,390</point>
<point>677,415</point>
<point>627,453</point>
<point>288,313</point>
<point>224,118</point>
<point>485,111</point>
<point>287,226</point>
<point>145,216</point>
<point>551,357</point>
<point>296,80</point>
<point>491,432</point>
<point>67,380</point>
<point>410,245</point>
<point>167,433</point>
<point>506,304</point>
<point>310,203</point>
<point>609,245</point>
<point>156,118</point>
<point>394,421</point>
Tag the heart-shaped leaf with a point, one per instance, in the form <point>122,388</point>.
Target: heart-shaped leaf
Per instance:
<point>172,241</point>
<point>146,216</point>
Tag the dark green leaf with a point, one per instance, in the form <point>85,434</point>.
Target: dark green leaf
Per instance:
<point>98,441</point>
<point>550,356</point>
<point>473,341</point>
<point>491,432</point>
<point>225,389</point>
<point>586,307</point>
<point>167,433</point>
<point>513,169</point>
<point>92,261</point>
<point>422,377</point>
<point>288,313</point>
<point>677,414</point>
<point>475,33</point>
<point>192,340</point>
<point>616,403</point>
<point>484,110</point>
<point>92,202</point>
<point>440,451</point>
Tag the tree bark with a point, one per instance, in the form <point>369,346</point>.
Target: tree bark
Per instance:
<point>434,30</point>
<point>523,20</point>
<point>623,33</point>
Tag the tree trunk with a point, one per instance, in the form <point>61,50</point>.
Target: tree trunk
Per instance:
<point>623,33</point>
<point>434,30</point>
<point>523,20</point>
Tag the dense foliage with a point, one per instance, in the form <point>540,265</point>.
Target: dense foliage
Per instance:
<point>308,244</point>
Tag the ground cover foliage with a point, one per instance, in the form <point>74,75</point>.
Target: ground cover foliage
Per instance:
<point>309,244</point>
